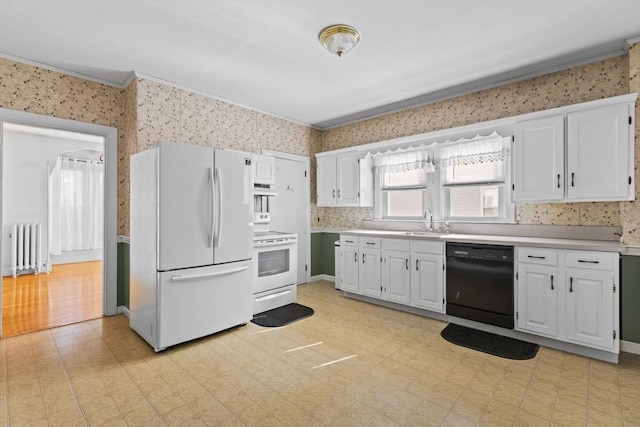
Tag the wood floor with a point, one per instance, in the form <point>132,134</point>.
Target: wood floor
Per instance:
<point>70,293</point>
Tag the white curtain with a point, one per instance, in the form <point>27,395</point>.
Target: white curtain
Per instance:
<point>401,162</point>
<point>76,205</point>
<point>473,151</point>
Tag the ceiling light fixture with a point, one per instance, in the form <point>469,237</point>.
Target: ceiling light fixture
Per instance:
<point>339,39</point>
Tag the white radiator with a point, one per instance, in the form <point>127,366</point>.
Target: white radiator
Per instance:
<point>26,248</point>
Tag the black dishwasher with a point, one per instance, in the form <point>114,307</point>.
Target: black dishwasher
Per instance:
<point>480,283</point>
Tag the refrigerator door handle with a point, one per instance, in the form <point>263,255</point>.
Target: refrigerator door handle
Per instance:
<point>203,276</point>
<point>216,241</point>
<point>210,236</point>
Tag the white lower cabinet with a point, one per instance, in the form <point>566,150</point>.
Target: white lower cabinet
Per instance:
<point>395,271</point>
<point>592,299</point>
<point>402,271</point>
<point>349,264</point>
<point>369,261</point>
<point>569,295</point>
<point>427,278</point>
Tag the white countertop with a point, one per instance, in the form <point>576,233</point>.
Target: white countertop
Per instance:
<point>576,244</point>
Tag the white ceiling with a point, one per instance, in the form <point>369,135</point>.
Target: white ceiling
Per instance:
<point>265,55</point>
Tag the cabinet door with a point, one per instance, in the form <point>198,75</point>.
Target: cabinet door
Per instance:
<point>349,269</point>
<point>395,276</point>
<point>427,285</point>
<point>598,153</point>
<point>590,307</point>
<point>538,156</point>
<point>347,179</point>
<point>326,180</point>
<point>370,272</point>
<point>538,299</point>
<point>264,169</point>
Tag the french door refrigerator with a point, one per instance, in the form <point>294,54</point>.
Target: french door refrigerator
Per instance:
<point>191,232</point>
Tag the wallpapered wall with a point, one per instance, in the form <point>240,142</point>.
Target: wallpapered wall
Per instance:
<point>602,79</point>
<point>165,113</point>
<point>146,112</point>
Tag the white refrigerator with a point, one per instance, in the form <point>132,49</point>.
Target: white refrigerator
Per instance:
<point>191,242</point>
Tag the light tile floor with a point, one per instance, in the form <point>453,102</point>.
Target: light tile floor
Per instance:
<point>351,363</point>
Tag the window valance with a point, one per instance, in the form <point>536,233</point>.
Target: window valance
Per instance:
<point>402,162</point>
<point>487,149</point>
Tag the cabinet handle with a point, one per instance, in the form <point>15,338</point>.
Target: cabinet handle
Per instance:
<point>572,176</point>
<point>570,284</point>
<point>588,262</point>
<point>338,193</point>
<point>334,193</point>
<point>552,282</point>
<point>371,243</point>
<point>406,263</point>
<point>363,258</point>
<point>355,257</point>
<point>558,180</point>
<point>416,265</point>
<point>536,257</point>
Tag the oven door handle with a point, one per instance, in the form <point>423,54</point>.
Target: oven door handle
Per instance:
<point>274,243</point>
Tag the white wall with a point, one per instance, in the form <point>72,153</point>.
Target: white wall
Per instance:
<point>26,182</point>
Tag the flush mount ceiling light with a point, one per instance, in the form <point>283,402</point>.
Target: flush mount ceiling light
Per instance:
<point>339,39</point>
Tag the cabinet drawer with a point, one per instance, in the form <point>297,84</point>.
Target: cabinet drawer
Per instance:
<point>348,241</point>
<point>538,256</point>
<point>371,243</point>
<point>427,247</point>
<point>592,260</point>
<point>402,245</point>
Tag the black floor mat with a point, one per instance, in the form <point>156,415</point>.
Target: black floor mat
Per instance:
<point>282,315</point>
<point>487,342</point>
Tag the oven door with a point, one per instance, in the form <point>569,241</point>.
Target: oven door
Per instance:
<point>275,264</point>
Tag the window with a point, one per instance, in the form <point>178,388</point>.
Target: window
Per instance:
<point>463,180</point>
<point>402,185</point>
<point>474,180</point>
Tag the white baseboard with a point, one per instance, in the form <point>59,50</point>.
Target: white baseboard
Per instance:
<point>124,310</point>
<point>70,257</point>
<point>630,347</point>
<point>319,277</point>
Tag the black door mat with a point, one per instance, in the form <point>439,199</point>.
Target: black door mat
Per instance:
<point>282,315</point>
<point>509,348</point>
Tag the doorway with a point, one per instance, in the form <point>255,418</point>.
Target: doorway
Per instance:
<point>98,273</point>
<point>290,210</point>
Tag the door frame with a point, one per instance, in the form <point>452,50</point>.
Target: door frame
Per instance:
<point>110,134</point>
<point>307,196</point>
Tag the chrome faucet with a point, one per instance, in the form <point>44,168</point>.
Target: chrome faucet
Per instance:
<point>430,219</point>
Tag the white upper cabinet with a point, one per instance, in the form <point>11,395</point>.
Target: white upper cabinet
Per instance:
<point>580,156</point>
<point>538,155</point>
<point>264,169</point>
<point>347,178</point>
<point>600,154</point>
<point>326,180</point>
<point>341,181</point>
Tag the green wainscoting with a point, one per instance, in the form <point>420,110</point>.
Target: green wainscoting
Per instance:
<point>123,274</point>
<point>630,298</point>
<point>322,253</point>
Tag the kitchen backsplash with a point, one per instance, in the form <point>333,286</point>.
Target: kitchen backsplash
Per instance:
<point>148,111</point>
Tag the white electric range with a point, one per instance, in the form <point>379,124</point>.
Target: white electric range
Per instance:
<point>275,261</point>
